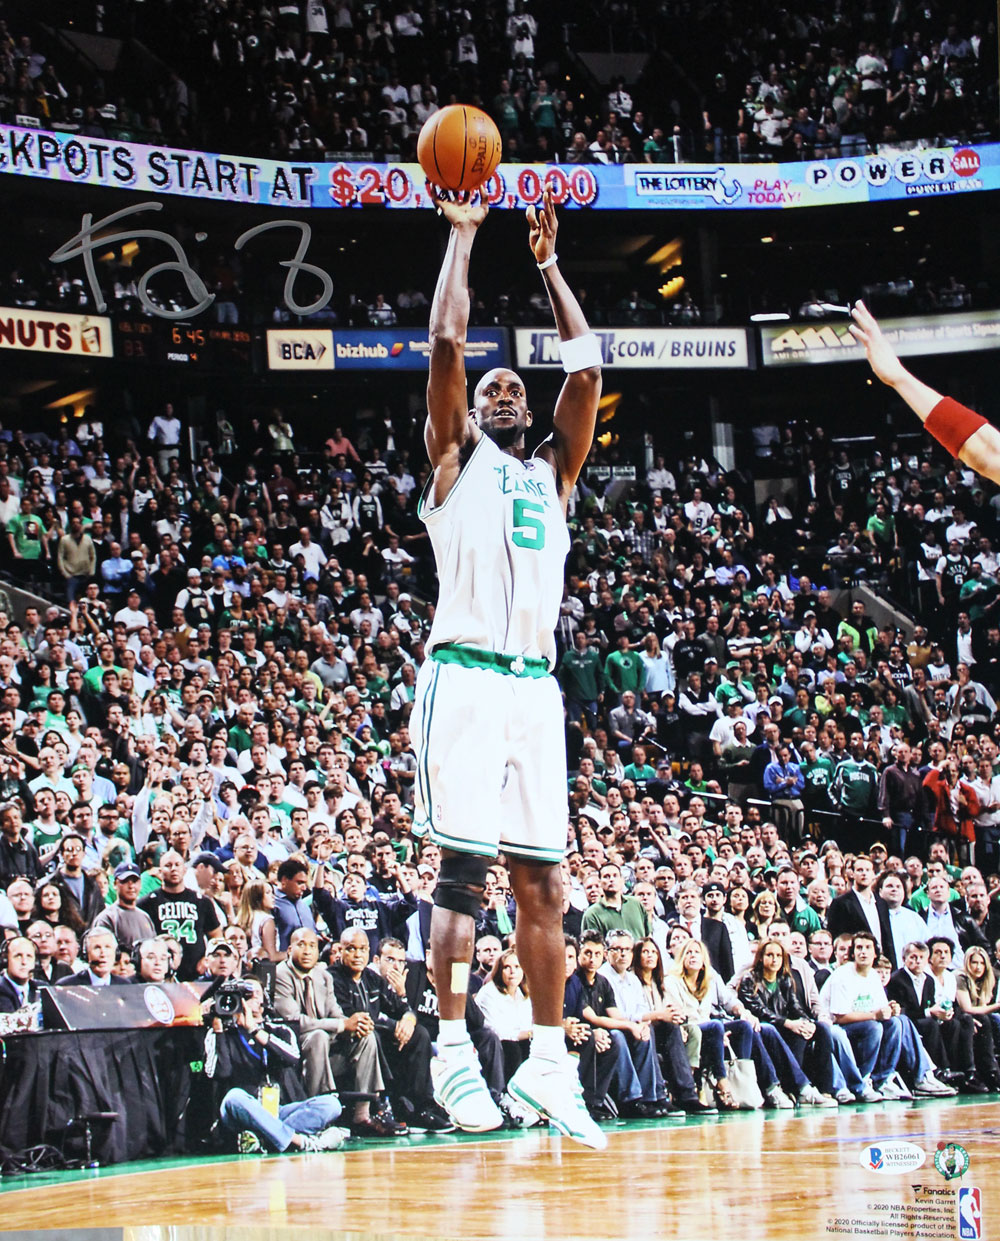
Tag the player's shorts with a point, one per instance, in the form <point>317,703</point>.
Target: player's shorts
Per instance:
<point>491,755</point>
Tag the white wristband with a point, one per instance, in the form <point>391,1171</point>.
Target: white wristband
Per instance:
<point>580,353</point>
<point>548,262</point>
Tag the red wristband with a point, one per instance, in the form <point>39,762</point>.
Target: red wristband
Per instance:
<point>951,424</point>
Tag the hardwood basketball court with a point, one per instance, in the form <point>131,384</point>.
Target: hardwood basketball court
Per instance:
<point>754,1176</point>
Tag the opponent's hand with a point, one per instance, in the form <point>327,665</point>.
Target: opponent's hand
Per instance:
<point>542,227</point>
<point>879,352</point>
<point>458,208</point>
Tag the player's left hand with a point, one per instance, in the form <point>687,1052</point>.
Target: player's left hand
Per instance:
<point>542,226</point>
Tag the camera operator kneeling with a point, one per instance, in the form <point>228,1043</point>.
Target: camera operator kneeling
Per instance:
<point>246,1054</point>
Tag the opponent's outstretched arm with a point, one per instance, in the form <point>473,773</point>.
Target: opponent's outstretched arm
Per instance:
<point>576,408</point>
<point>965,434</point>
<point>447,424</point>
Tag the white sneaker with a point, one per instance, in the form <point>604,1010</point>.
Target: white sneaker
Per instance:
<point>329,1139</point>
<point>929,1085</point>
<point>457,1078</point>
<point>844,1095</point>
<point>895,1088</point>
<point>519,1112</point>
<point>552,1088</point>
<point>777,1098</point>
<point>869,1094</point>
<point>810,1096</point>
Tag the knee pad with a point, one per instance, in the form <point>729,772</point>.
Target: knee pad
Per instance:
<point>461,882</point>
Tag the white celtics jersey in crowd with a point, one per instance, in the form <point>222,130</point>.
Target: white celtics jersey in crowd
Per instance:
<point>500,540</point>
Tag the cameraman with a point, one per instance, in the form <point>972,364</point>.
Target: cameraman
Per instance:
<point>251,1053</point>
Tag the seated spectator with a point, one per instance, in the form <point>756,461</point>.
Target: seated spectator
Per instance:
<point>17,983</point>
<point>768,992</point>
<point>857,1001</point>
<point>100,951</point>
<point>506,1009</point>
<point>240,1059</point>
<point>404,1046</point>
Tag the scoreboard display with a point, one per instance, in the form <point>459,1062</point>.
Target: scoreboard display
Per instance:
<point>189,345</point>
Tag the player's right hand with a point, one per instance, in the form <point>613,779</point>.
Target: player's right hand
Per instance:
<point>880,354</point>
<point>461,209</point>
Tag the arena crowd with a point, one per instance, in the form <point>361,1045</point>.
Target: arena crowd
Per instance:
<point>783,817</point>
<point>333,78</point>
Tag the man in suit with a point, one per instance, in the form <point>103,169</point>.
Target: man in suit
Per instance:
<point>946,1032</point>
<point>100,948</point>
<point>861,910</point>
<point>950,921</point>
<point>330,1042</point>
<point>47,969</point>
<point>17,987</point>
<point>404,1045</point>
<point>983,912</point>
<point>714,935</point>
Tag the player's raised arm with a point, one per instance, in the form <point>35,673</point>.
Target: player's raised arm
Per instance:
<point>447,399</point>
<point>964,433</point>
<point>576,409</point>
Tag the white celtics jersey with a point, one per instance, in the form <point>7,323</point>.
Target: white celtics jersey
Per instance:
<point>500,541</point>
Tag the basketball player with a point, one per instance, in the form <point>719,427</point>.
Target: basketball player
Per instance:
<point>488,720</point>
<point>965,434</point>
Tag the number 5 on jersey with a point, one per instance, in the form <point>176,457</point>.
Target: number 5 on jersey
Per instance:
<point>529,531</point>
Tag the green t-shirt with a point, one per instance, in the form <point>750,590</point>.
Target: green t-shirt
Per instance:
<point>817,775</point>
<point>631,917</point>
<point>27,531</point>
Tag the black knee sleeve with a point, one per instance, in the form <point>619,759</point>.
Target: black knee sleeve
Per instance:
<point>461,882</point>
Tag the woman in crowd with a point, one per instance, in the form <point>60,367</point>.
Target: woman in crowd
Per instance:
<point>647,965</point>
<point>659,670</point>
<point>254,915</point>
<point>768,992</point>
<point>976,994</point>
<point>696,988</point>
<point>737,907</point>
<point>506,1009</point>
<point>763,912</point>
<point>49,908</point>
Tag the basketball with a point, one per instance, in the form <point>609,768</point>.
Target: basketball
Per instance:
<point>458,147</point>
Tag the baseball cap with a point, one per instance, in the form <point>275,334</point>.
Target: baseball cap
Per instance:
<point>207,858</point>
<point>712,887</point>
<point>194,573</point>
<point>127,870</point>
<point>221,945</point>
<point>405,598</point>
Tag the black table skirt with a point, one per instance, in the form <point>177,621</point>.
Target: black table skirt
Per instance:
<point>146,1076</point>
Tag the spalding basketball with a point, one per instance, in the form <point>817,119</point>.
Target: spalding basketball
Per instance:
<point>458,147</point>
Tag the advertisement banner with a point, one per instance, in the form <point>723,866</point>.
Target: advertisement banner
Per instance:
<point>300,349</point>
<point>51,331</point>
<point>649,348</point>
<point>798,344</point>
<point>72,158</point>
<point>366,349</point>
<point>407,349</point>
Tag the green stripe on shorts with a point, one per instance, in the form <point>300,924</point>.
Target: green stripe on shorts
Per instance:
<point>532,853</point>
<point>459,844</point>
